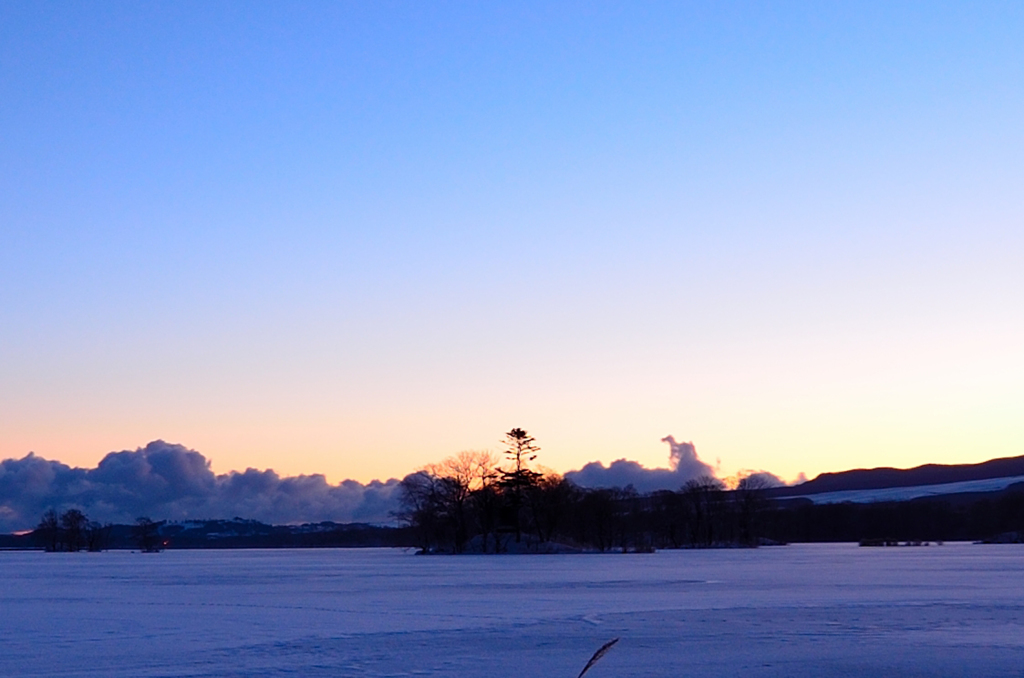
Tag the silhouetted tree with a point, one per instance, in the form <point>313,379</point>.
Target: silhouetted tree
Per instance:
<point>73,524</point>
<point>596,518</point>
<point>458,477</point>
<point>439,501</point>
<point>669,517</point>
<point>97,535</point>
<point>750,502</point>
<point>48,530</point>
<point>420,508</point>
<point>486,503</point>
<point>704,495</point>
<point>550,499</point>
<point>519,479</point>
<point>146,533</point>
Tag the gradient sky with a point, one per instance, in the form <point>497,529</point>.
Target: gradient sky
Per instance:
<point>354,238</point>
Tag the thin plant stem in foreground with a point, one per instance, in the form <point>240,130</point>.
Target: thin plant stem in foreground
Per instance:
<point>602,651</point>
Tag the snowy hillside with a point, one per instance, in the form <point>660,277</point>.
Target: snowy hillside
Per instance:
<point>907,493</point>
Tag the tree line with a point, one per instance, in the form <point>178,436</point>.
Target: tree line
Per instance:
<point>472,502</point>
<point>476,502</point>
<point>73,531</point>
<point>986,516</point>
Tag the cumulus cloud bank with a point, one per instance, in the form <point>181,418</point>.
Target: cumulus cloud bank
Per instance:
<point>166,481</point>
<point>684,465</point>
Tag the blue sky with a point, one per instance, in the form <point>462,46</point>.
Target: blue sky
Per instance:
<point>353,239</point>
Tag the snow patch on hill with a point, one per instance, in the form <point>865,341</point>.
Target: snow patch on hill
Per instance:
<point>907,493</point>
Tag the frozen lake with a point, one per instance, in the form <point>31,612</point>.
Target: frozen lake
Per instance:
<point>803,610</point>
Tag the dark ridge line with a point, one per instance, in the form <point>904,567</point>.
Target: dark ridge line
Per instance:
<point>886,477</point>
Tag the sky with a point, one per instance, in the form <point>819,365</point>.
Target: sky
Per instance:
<point>355,238</point>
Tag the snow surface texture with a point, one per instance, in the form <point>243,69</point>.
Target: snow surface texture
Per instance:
<point>913,492</point>
<point>806,610</point>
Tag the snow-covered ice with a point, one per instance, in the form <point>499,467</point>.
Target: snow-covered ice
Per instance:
<point>801,610</point>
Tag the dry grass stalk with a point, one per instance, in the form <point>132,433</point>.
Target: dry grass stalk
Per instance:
<point>597,655</point>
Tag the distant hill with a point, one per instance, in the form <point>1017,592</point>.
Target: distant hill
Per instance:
<point>884,478</point>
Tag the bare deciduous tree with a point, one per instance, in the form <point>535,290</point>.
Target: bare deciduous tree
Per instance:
<point>436,500</point>
<point>97,535</point>
<point>49,530</point>
<point>462,475</point>
<point>73,524</point>
<point>749,496</point>
<point>147,535</point>
<point>704,496</point>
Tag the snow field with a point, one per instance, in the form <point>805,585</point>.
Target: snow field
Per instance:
<point>801,610</point>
